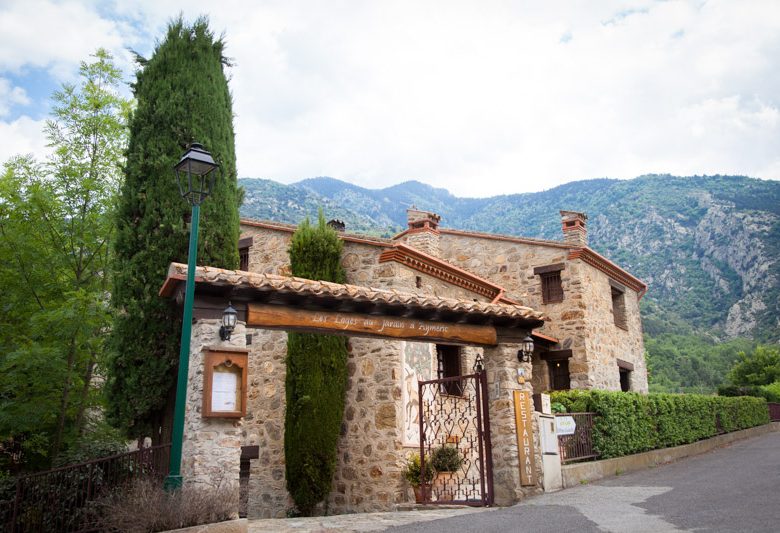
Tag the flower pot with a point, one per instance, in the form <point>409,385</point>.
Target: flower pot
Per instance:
<point>422,494</point>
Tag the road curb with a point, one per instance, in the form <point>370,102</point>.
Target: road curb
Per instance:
<point>576,474</point>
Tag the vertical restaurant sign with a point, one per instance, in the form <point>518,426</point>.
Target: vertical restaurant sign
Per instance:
<point>525,437</point>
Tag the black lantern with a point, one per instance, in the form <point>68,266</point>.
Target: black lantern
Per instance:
<point>229,317</point>
<point>526,350</point>
<point>479,364</point>
<point>195,173</point>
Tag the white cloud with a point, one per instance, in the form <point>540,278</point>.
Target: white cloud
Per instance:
<point>55,35</point>
<point>22,136</point>
<point>10,95</point>
<point>481,98</point>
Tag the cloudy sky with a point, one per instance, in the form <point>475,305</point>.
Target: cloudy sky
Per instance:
<point>482,97</point>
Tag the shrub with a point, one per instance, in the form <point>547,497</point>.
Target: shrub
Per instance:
<point>412,471</point>
<point>770,393</point>
<point>630,422</point>
<point>446,459</point>
<point>147,507</point>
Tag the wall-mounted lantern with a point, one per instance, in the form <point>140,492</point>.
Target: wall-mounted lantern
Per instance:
<point>526,350</point>
<point>479,364</point>
<point>229,317</point>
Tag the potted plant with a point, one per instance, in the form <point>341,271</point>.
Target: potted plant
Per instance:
<point>446,460</point>
<point>412,473</point>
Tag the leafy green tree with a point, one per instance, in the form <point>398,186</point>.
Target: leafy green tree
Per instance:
<point>182,96</point>
<point>56,224</point>
<point>760,367</point>
<point>316,377</point>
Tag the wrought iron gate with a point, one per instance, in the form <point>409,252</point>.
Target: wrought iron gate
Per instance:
<point>454,414</point>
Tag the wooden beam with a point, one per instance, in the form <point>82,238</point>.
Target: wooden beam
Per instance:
<point>555,355</point>
<point>361,325</point>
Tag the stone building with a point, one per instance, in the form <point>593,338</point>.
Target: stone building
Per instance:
<point>444,286</point>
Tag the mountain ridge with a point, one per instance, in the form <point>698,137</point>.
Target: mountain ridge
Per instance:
<point>707,246</point>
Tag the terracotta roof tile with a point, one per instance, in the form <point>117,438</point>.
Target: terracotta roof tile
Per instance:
<point>177,272</point>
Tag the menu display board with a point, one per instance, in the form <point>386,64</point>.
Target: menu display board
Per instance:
<point>224,386</point>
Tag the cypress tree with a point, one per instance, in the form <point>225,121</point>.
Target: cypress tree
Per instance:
<point>182,96</point>
<point>316,377</point>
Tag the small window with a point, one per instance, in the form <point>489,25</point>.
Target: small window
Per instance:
<point>243,253</point>
<point>418,282</point>
<point>448,366</point>
<point>625,368</point>
<point>552,291</point>
<point>625,380</point>
<point>619,308</point>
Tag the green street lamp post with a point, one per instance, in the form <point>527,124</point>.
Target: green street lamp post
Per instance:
<point>195,174</point>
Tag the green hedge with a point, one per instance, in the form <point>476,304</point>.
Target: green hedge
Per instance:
<point>770,392</point>
<point>631,422</point>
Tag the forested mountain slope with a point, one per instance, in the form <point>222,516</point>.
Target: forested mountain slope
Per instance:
<point>707,246</point>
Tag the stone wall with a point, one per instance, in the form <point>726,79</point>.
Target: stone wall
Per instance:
<point>605,341</point>
<point>370,452</point>
<point>511,265</point>
<point>583,321</point>
<point>264,424</point>
<point>211,448</point>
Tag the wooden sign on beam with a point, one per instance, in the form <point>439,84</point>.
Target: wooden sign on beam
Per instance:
<point>357,325</point>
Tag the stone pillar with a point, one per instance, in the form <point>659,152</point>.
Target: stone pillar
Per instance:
<point>502,365</point>
<point>212,446</point>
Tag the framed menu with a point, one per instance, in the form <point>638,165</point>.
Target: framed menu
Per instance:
<point>224,385</point>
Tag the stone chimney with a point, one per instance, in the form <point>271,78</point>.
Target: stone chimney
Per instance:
<point>337,225</point>
<point>574,230</point>
<point>423,231</point>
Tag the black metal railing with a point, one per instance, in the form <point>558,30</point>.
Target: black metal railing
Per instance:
<point>578,445</point>
<point>63,499</point>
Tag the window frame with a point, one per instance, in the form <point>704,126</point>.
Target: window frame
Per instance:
<point>618,298</point>
<point>243,253</point>
<point>449,359</point>
<point>551,283</point>
<point>624,372</point>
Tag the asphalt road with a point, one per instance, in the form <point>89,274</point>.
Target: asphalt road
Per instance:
<point>736,488</point>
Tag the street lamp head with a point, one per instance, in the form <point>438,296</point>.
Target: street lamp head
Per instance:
<point>195,173</point>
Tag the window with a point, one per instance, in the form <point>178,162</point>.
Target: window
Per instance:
<point>625,368</point>
<point>559,374</point>
<point>558,368</point>
<point>448,366</point>
<point>619,305</point>
<point>243,253</point>
<point>552,289</point>
<point>625,380</point>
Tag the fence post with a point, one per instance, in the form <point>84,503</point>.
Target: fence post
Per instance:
<point>17,499</point>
